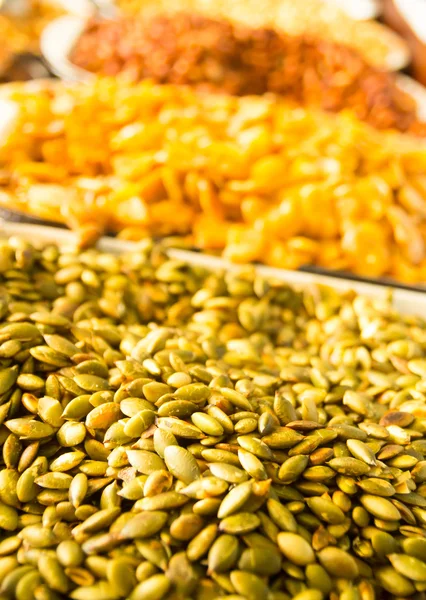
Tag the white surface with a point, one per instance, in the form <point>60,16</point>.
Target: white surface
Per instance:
<point>82,8</point>
<point>406,301</point>
<point>416,90</point>
<point>360,10</point>
<point>414,13</point>
<point>8,113</point>
<point>19,8</point>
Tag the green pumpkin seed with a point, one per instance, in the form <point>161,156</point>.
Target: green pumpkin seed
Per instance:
<point>326,510</point>
<point>144,525</point>
<point>186,526</point>
<point>280,440</point>
<point>377,487</point>
<point>223,554</point>
<point>164,501</point>
<point>201,543</point>
<point>252,464</point>
<point>318,578</point>
<point>8,517</point>
<point>409,566</point>
<point>153,588</point>
<point>173,433</point>
<point>249,585</point>
<point>69,554</point>
<point>181,464</point>
<point>295,548</point>
<point>380,507</point>
<point>262,561</point>
<point>240,523</point>
<point>53,573</point>
<point>235,499</point>
<point>414,547</point>
<point>8,378</point>
<point>338,563</point>
<point>121,576</point>
<point>30,429</point>
<point>208,424</point>
<point>145,462</point>
<point>281,515</point>
<point>229,473</point>
<point>292,468</point>
<point>394,583</point>
<point>180,428</point>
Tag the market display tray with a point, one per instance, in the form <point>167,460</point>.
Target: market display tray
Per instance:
<point>405,300</point>
<point>15,217</point>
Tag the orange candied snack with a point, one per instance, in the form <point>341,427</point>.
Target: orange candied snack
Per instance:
<point>254,177</point>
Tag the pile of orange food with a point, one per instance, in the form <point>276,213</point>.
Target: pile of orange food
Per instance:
<point>220,56</point>
<point>259,179</point>
<point>379,45</point>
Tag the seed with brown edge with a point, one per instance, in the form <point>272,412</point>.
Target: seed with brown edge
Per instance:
<point>349,466</point>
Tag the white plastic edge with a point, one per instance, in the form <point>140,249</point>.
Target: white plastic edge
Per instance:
<point>8,113</point>
<point>406,301</point>
<point>414,13</point>
<point>416,90</point>
<point>57,41</point>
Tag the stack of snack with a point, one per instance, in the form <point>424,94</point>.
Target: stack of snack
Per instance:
<point>218,55</point>
<point>259,177</point>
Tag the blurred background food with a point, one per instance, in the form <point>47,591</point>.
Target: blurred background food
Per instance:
<point>246,163</point>
<point>380,46</point>
<point>260,178</point>
<point>221,56</point>
<point>24,21</point>
<point>408,18</point>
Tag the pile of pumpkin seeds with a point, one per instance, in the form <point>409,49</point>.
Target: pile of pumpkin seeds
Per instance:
<point>168,433</point>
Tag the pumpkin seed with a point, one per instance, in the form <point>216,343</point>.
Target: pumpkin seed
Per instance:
<point>295,548</point>
<point>147,406</point>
